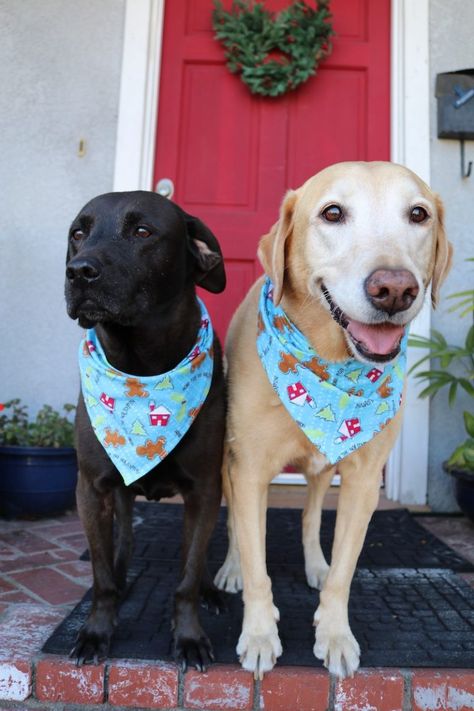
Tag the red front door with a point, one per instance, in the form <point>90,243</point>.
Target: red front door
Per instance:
<point>232,156</point>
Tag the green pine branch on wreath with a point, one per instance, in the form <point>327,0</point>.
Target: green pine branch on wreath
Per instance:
<point>273,53</point>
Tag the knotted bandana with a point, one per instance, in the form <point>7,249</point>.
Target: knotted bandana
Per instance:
<point>339,406</point>
<point>139,420</point>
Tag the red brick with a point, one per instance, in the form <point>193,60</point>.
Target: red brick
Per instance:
<point>5,586</point>
<point>50,585</point>
<point>25,541</point>
<point>443,689</point>
<point>15,680</point>
<point>218,689</point>
<point>53,531</point>
<point>152,686</point>
<point>25,628</point>
<point>61,554</point>
<point>377,690</point>
<point>17,596</point>
<point>76,542</point>
<point>28,561</point>
<point>77,569</point>
<point>64,681</point>
<point>287,688</point>
<point>6,551</point>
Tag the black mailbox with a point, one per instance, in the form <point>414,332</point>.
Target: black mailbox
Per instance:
<point>455,94</point>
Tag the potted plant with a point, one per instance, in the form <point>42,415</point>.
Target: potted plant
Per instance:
<point>38,466</point>
<point>452,367</point>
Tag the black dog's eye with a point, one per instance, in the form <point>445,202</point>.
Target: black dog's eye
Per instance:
<point>418,214</point>
<point>332,213</point>
<point>77,235</point>
<point>142,232</point>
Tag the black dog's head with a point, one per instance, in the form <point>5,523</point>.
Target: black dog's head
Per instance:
<point>133,252</point>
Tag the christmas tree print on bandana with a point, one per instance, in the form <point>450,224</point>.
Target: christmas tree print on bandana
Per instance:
<point>138,420</point>
<point>339,406</point>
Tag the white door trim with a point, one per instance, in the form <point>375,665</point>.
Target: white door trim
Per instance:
<point>407,469</point>
<point>138,103</point>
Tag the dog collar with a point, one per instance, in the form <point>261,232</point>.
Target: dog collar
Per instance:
<point>339,406</point>
<point>139,420</point>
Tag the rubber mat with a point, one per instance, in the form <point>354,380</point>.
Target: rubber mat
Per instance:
<point>394,539</point>
<point>401,616</point>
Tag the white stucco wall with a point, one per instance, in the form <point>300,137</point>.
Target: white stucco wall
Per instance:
<point>451,49</point>
<point>60,66</point>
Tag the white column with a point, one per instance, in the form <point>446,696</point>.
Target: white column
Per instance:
<point>407,468</point>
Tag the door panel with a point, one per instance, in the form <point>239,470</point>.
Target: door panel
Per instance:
<point>232,155</point>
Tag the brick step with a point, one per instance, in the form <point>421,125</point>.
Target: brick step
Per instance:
<point>30,679</point>
<point>58,683</point>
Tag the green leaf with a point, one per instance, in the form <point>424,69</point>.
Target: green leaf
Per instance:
<point>467,386</point>
<point>469,423</point>
<point>452,393</point>
<point>463,457</point>
<point>470,339</point>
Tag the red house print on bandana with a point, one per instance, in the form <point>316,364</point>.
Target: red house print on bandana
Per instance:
<point>108,402</point>
<point>159,416</point>
<point>299,395</point>
<point>349,428</point>
<point>374,374</point>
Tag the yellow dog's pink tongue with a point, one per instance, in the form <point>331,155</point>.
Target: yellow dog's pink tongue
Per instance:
<point>381,339</point>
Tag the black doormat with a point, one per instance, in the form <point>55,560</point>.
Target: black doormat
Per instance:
<point>394,539</point>
<point>401,616</point>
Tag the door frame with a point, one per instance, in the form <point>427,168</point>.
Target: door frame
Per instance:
<point>407,469</point>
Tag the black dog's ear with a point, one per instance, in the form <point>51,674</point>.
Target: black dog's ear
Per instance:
<point>209,269</point>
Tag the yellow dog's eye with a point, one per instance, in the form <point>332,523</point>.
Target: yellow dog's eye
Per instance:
<point>332,213</point>
<point>142,232</point>
<point>418,214</point>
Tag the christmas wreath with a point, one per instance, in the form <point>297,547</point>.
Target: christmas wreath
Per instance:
<point>273,53</point>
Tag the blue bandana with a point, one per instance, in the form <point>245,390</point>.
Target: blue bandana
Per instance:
<point>339,406</point>
<point>139,420</point>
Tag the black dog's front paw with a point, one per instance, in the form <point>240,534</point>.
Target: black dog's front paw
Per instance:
<point>193,652</point>
<point>90,647</point>
<point>212,598</point>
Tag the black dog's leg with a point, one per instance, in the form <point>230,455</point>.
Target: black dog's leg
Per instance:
<point>96,512</point>
<point>124,544</point>
<point>211,597</point>
<point>191,644</point>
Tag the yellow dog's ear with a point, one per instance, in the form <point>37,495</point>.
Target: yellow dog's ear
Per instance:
<point>271,250</point>
<point>442,256</point>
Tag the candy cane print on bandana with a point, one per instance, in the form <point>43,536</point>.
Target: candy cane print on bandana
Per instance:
<point>339,406</point>
<point>139,420</point>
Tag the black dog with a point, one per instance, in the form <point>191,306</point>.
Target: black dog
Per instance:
<point>133,261</point>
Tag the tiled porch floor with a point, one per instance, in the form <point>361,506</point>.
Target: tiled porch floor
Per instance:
<point>41,579</point>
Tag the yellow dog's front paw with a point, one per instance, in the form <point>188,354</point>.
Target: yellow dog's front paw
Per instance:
<point>337,647</point>
<point>229,575</point>
<point>258,652</point>
<point>316,575</point>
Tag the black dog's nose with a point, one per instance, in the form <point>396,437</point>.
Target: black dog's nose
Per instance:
<point>391,290</point>
<point>87,269</point>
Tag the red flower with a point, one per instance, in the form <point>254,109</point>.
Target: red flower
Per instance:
<point>2,406</point>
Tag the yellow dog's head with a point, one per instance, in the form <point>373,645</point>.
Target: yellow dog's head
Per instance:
<point>366,240</point>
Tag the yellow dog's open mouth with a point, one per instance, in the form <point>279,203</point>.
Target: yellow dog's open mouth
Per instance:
<point>377,342</point>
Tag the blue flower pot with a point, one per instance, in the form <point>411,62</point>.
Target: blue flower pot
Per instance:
<point>37,481</point>
<point>464,490</point>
